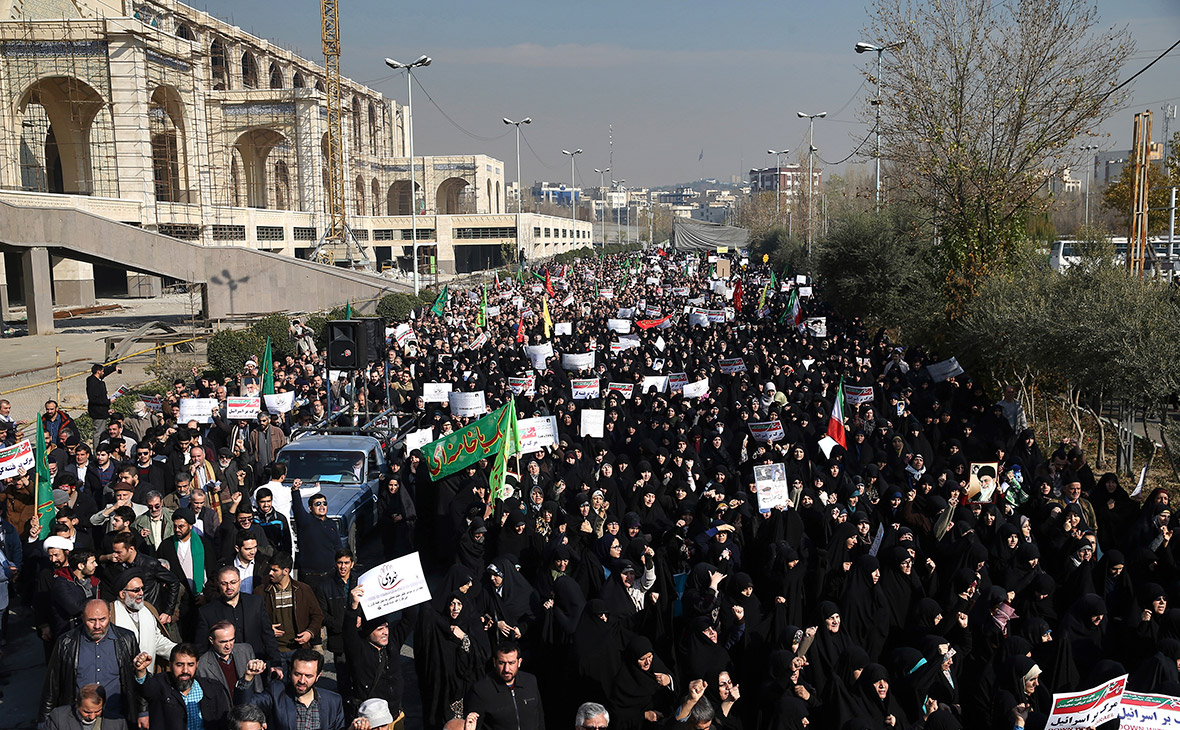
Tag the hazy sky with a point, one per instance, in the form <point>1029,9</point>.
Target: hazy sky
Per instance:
<point>673,77</point>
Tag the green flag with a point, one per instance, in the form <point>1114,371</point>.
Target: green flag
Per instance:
<point>45,509</point>
<point>511,445</point>
<point>440,303</point>
<point>772,280</point>
<point>348,310</point>
<point>483,309</point>
<point>480,440</point>
<point>268,371</point>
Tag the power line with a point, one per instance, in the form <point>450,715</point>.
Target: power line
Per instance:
<point>535,155</point>
<point>850,154</point>
<point>1139,72</point>
<point>455,124</point>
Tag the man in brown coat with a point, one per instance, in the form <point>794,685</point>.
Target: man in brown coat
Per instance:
<point>294,611</point>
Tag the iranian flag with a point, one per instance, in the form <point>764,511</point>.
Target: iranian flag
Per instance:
<point>836,422</point>
<point>793,312</point>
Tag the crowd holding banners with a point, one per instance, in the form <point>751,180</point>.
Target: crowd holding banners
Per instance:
<point>628,573</point>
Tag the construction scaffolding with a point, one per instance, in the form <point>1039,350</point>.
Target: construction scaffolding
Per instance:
<point>59,136</point>
<point>1137,248</point>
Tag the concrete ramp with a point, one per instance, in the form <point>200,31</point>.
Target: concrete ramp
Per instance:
<point>236,280</point>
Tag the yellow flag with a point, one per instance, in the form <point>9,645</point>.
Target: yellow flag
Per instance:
<point>545,316</point>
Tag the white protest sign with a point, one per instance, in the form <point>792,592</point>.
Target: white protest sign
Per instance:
<point>1087,709</point>
<point>804,292</point>
<point>197,409</point>
<point>246,408</point>
<point>627,389</point>
<point>468,403</point>
<point>657,382</point>
<point>1148,712</point>
<point>279,402</point>
<point>826,444</point>
<point>660,344</point>
<point>607,293</point>
<point>418,439</point>
<point>537,433</point>
<point>940,371</point>
<point>626,313</point>
<point>523,386</point>
<point>622,326</point>
<point>577,360</point>
<point>770,480</point>
<point>493,311</point>
<point>584,388</point>
<point>538,355</point>
<point>698,389</point>
<point>563,328</point>
<point>393,586</point>
<point>436,392</point>
<point>677,381</point>
<point>592,423</point>
<point>627,342</point>
<point>854,395</point>
<point>733,365</point>
<point>768,431</point>
<point>152,402</point>
<point>15,458</point>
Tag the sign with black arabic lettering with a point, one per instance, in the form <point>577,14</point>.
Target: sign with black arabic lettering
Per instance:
<point>1087,709</point>
<point>393,586</point>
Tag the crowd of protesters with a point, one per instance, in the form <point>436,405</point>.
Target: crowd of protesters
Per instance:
<point>629,580</point>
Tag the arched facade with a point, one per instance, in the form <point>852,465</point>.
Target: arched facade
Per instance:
<point>276,77</point>
<point>219,65</point>
<point>249,70</point>
<point>451,195</point>
<point>63,120</point>
<point>166,124</point>
<point>255,147</point>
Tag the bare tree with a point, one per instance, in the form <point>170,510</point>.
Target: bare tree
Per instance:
<point>983,102</point>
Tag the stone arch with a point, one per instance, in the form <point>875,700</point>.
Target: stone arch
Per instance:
<point>499,208</point>
<point>166,125</point>
<point>282,186</point>
<point>276,77</point>
<point>372,128</point>
<point>360,195</point>
<point>219,65</point>
<point>397,200</point>
<point>236,183</point>
<point>61,123</point>
<point>255,146</point>
<point>319,86</point>
<point>375,197</point>
<point>298,81</point>
<point>185,32</point>
<point>357,147</point>
<point>450,194</point>
<point>249,70</point>
<point>491,204</point>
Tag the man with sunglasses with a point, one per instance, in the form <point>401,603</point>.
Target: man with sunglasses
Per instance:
<point>318,537</point>
<point>134,612</point>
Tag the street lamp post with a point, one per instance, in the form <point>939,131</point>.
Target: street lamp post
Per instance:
<point>778,181</point>
<point>618,217</point>
<point>871,48</point>
<point>602,186</point>
<point>1089,172</point>
<point>526,120</point>
<point>811,167</point>
<point>423,60</point>
<point>573,203</point>
<point>519,191</point>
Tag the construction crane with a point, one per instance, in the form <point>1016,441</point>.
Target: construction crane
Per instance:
<point>337,238</point>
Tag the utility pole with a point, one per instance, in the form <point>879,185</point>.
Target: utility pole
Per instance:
<point>872,48</point>
<point>1137,240</point>
<point>811,149</point>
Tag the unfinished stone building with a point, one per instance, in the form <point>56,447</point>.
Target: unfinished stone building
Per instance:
<point>153,113</point>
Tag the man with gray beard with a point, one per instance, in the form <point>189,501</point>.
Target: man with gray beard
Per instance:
<point>179,700</point>
<point>132,612</point>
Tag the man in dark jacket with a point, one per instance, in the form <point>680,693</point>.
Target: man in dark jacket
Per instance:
<point>192,559</point>
<point>98,403</point>
<point>246,612</point>
<point>160,586</point>
<point>72,587</point>
<point>227,662</point>
<point>174,696</point>
<point>285,702</point>
<point>507,697</point>
<point>292,605</point>
<point>332,594</point>
<point>318,537</point>
<point>374,655</point>
<point>95,652</point>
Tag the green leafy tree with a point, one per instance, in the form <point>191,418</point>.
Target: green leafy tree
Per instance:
<point>1118,199</point>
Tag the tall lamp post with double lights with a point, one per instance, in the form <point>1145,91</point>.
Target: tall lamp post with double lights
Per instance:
<point>573,202</point>
<point>810,167</point>
<point>778,180</point>
<point>422,61</point>
<point>605,197</point>
<point>519,191</point>
<point>619,216</point>
<point>872,48</point>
